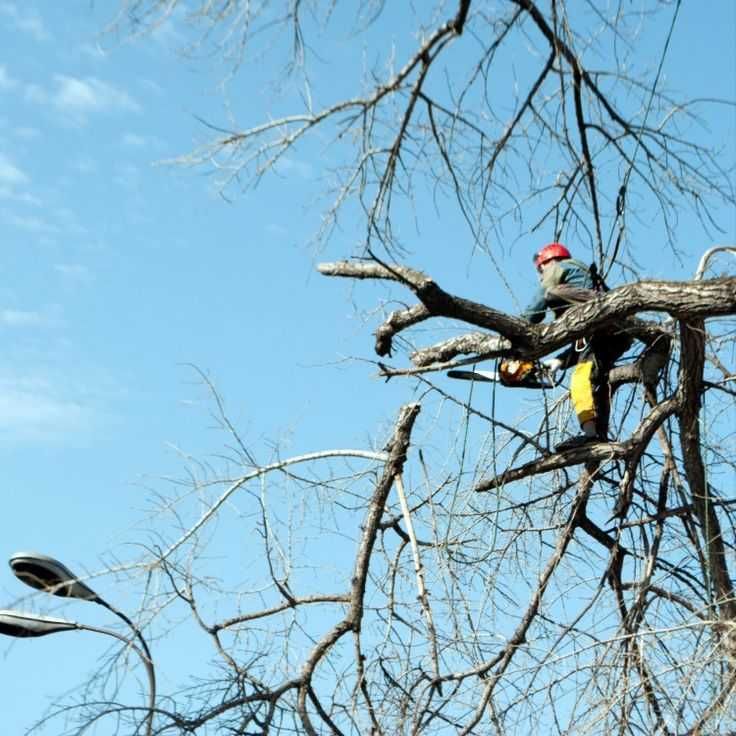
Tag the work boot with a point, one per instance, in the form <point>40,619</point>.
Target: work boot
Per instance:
<point>572,442</point>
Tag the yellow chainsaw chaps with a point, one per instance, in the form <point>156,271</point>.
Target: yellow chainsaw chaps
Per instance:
<point>581,391</point>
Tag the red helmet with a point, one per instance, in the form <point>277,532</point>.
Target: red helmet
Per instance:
<point>553,250</point>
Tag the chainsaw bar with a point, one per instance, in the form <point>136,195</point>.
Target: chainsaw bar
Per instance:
<point>531,381</point>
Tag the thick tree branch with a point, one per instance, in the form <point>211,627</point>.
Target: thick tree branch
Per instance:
<point>680,299</point>
<point>480,344</point>
<point>692,341</point>
<point>396,448</point>
<point>594,452</point>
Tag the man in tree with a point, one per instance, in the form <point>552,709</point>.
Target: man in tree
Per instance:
<point>565,281</point>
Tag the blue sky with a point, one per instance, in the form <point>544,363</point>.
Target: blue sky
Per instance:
<point>119,274</point>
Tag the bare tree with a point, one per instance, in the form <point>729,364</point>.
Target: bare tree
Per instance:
<point>493,585</point>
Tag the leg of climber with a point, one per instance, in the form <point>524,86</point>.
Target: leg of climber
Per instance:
<point>583,389</point>
<point>602,397</point>
<point>607,347</point>
<point>590,390</point>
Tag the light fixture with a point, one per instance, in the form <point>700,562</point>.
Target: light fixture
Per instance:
<point>45,573</point>
<point>51,576</point>
<point>16,623</point>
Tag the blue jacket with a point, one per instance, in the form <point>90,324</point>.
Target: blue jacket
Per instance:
<point>568,271</point>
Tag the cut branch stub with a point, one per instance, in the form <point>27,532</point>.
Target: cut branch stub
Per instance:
<point>396,322</point>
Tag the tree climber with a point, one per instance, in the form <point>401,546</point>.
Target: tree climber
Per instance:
<point>565,281</point>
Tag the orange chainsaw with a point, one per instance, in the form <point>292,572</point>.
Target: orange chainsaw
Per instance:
<point>511,372</point>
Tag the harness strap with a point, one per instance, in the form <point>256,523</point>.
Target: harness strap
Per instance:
<point>599,283</point>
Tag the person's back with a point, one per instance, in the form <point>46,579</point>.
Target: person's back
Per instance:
<point>563,280</point>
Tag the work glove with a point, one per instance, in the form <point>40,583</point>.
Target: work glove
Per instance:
<point>552,366</point>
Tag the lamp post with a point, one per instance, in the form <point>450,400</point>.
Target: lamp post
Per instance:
<point>51,576</point>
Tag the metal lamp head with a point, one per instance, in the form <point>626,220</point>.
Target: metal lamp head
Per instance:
<point>45,573</point>
<point>15,623</point>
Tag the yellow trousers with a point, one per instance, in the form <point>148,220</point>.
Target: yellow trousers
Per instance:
<point>581,392</point>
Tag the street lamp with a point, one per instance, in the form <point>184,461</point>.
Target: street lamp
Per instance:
<point>51,576</point>
<point>45,573</point>
<point>15,623</point>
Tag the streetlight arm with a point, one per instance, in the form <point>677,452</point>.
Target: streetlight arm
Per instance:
<point>102,602</point>
<point>145,658</point>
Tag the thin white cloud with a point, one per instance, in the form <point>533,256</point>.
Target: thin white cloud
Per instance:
<point>128,176</point>
<point>19,407</point>
<point>20,318</point>
<point>85,165</point>
<point>29,223</point>
<point>66,221</point>
<point>9,193</point>
<point>93,51</point>
<point>274,228</point>
<point>150,86</point>
<point>80,97</point>
<point>26,132</point>
<point>36,414</point>
<point>6,81</point>
<point>286,166</point>
<point>27,20</point>
<point>168,33</point>
<point>10,174</point>
<point>74,272</point>
<point>133,140</point>
<point>12,181</point>
<point>35,93</point>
